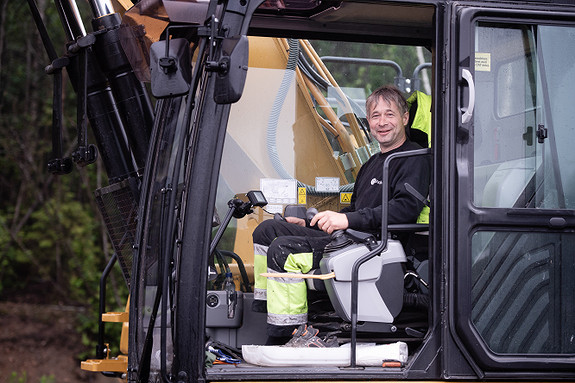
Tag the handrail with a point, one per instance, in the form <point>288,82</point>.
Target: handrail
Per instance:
<point>377,250</point>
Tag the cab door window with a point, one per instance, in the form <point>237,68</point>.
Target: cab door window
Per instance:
<point>523,128</point>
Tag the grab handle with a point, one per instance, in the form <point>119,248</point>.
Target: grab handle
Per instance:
<point>468,77</point>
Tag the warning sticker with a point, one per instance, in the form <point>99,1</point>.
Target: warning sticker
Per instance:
<point>345,197</point>
<point>301,196</point>
<point>483,62</point>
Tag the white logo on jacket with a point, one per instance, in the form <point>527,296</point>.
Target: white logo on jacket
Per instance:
<point>375,181</point>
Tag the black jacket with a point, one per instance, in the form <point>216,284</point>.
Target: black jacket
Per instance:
<point>364,213</point>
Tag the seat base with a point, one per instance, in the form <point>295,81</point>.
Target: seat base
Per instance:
<point>411,323</point>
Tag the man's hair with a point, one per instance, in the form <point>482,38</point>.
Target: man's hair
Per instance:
<point>390,94</point>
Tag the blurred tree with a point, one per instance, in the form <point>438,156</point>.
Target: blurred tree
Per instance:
<point>50,231</point>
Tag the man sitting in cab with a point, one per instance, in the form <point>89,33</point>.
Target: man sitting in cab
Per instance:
<point>295,246</point>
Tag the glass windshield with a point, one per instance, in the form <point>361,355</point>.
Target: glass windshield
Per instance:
<point>299,131</point>
<point>523,124</point>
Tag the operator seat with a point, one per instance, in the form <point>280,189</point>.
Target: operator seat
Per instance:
<point>380,289</point>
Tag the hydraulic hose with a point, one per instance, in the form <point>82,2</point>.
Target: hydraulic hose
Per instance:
<point>271,145</point>
<point>277,107</point>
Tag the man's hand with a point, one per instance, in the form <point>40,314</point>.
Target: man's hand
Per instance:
<point>329,221</point>
<point>295,220</point>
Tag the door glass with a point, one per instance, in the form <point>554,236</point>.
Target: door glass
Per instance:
<point>523,116</point>
<point>523,291</point>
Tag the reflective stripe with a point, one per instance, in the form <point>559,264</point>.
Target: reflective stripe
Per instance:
<point>260,249</point>
<point>285,280</point>
<point>260,294</point>
<point>287,320</point>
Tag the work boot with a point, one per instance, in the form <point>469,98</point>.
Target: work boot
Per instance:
<point>306,336</point>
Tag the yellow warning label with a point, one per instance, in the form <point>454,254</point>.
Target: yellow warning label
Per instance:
<point>301,196</point>
<point>345,197</point>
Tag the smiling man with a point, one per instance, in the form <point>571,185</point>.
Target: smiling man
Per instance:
<point>295,247</point>
<point>387,116</point>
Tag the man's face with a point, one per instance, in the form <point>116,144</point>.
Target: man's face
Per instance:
<point>387,125</point>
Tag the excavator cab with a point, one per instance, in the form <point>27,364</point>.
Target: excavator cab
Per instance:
<point>369,276</point>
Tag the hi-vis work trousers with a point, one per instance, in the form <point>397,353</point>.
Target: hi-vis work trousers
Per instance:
<point>281,247</point>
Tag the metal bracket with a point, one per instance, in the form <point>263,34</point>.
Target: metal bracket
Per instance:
<point>541,133</point>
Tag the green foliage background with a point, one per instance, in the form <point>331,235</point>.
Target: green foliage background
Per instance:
<point>371,76</point>
<point>51,237</point>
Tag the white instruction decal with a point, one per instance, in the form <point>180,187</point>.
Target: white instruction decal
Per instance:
<point>327,184</point>
<point>482,62</point>
<point>279,191</point>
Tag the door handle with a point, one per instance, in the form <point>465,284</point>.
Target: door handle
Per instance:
<point>468,112</point>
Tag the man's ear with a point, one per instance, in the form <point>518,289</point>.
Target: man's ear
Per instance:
<point>405,118</point>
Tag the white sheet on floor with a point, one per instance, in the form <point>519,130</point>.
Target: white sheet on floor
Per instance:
<point>368,354</point>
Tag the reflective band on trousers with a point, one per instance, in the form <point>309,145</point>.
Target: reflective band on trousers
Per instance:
<point>260,294</point>
<point>287,320</point>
